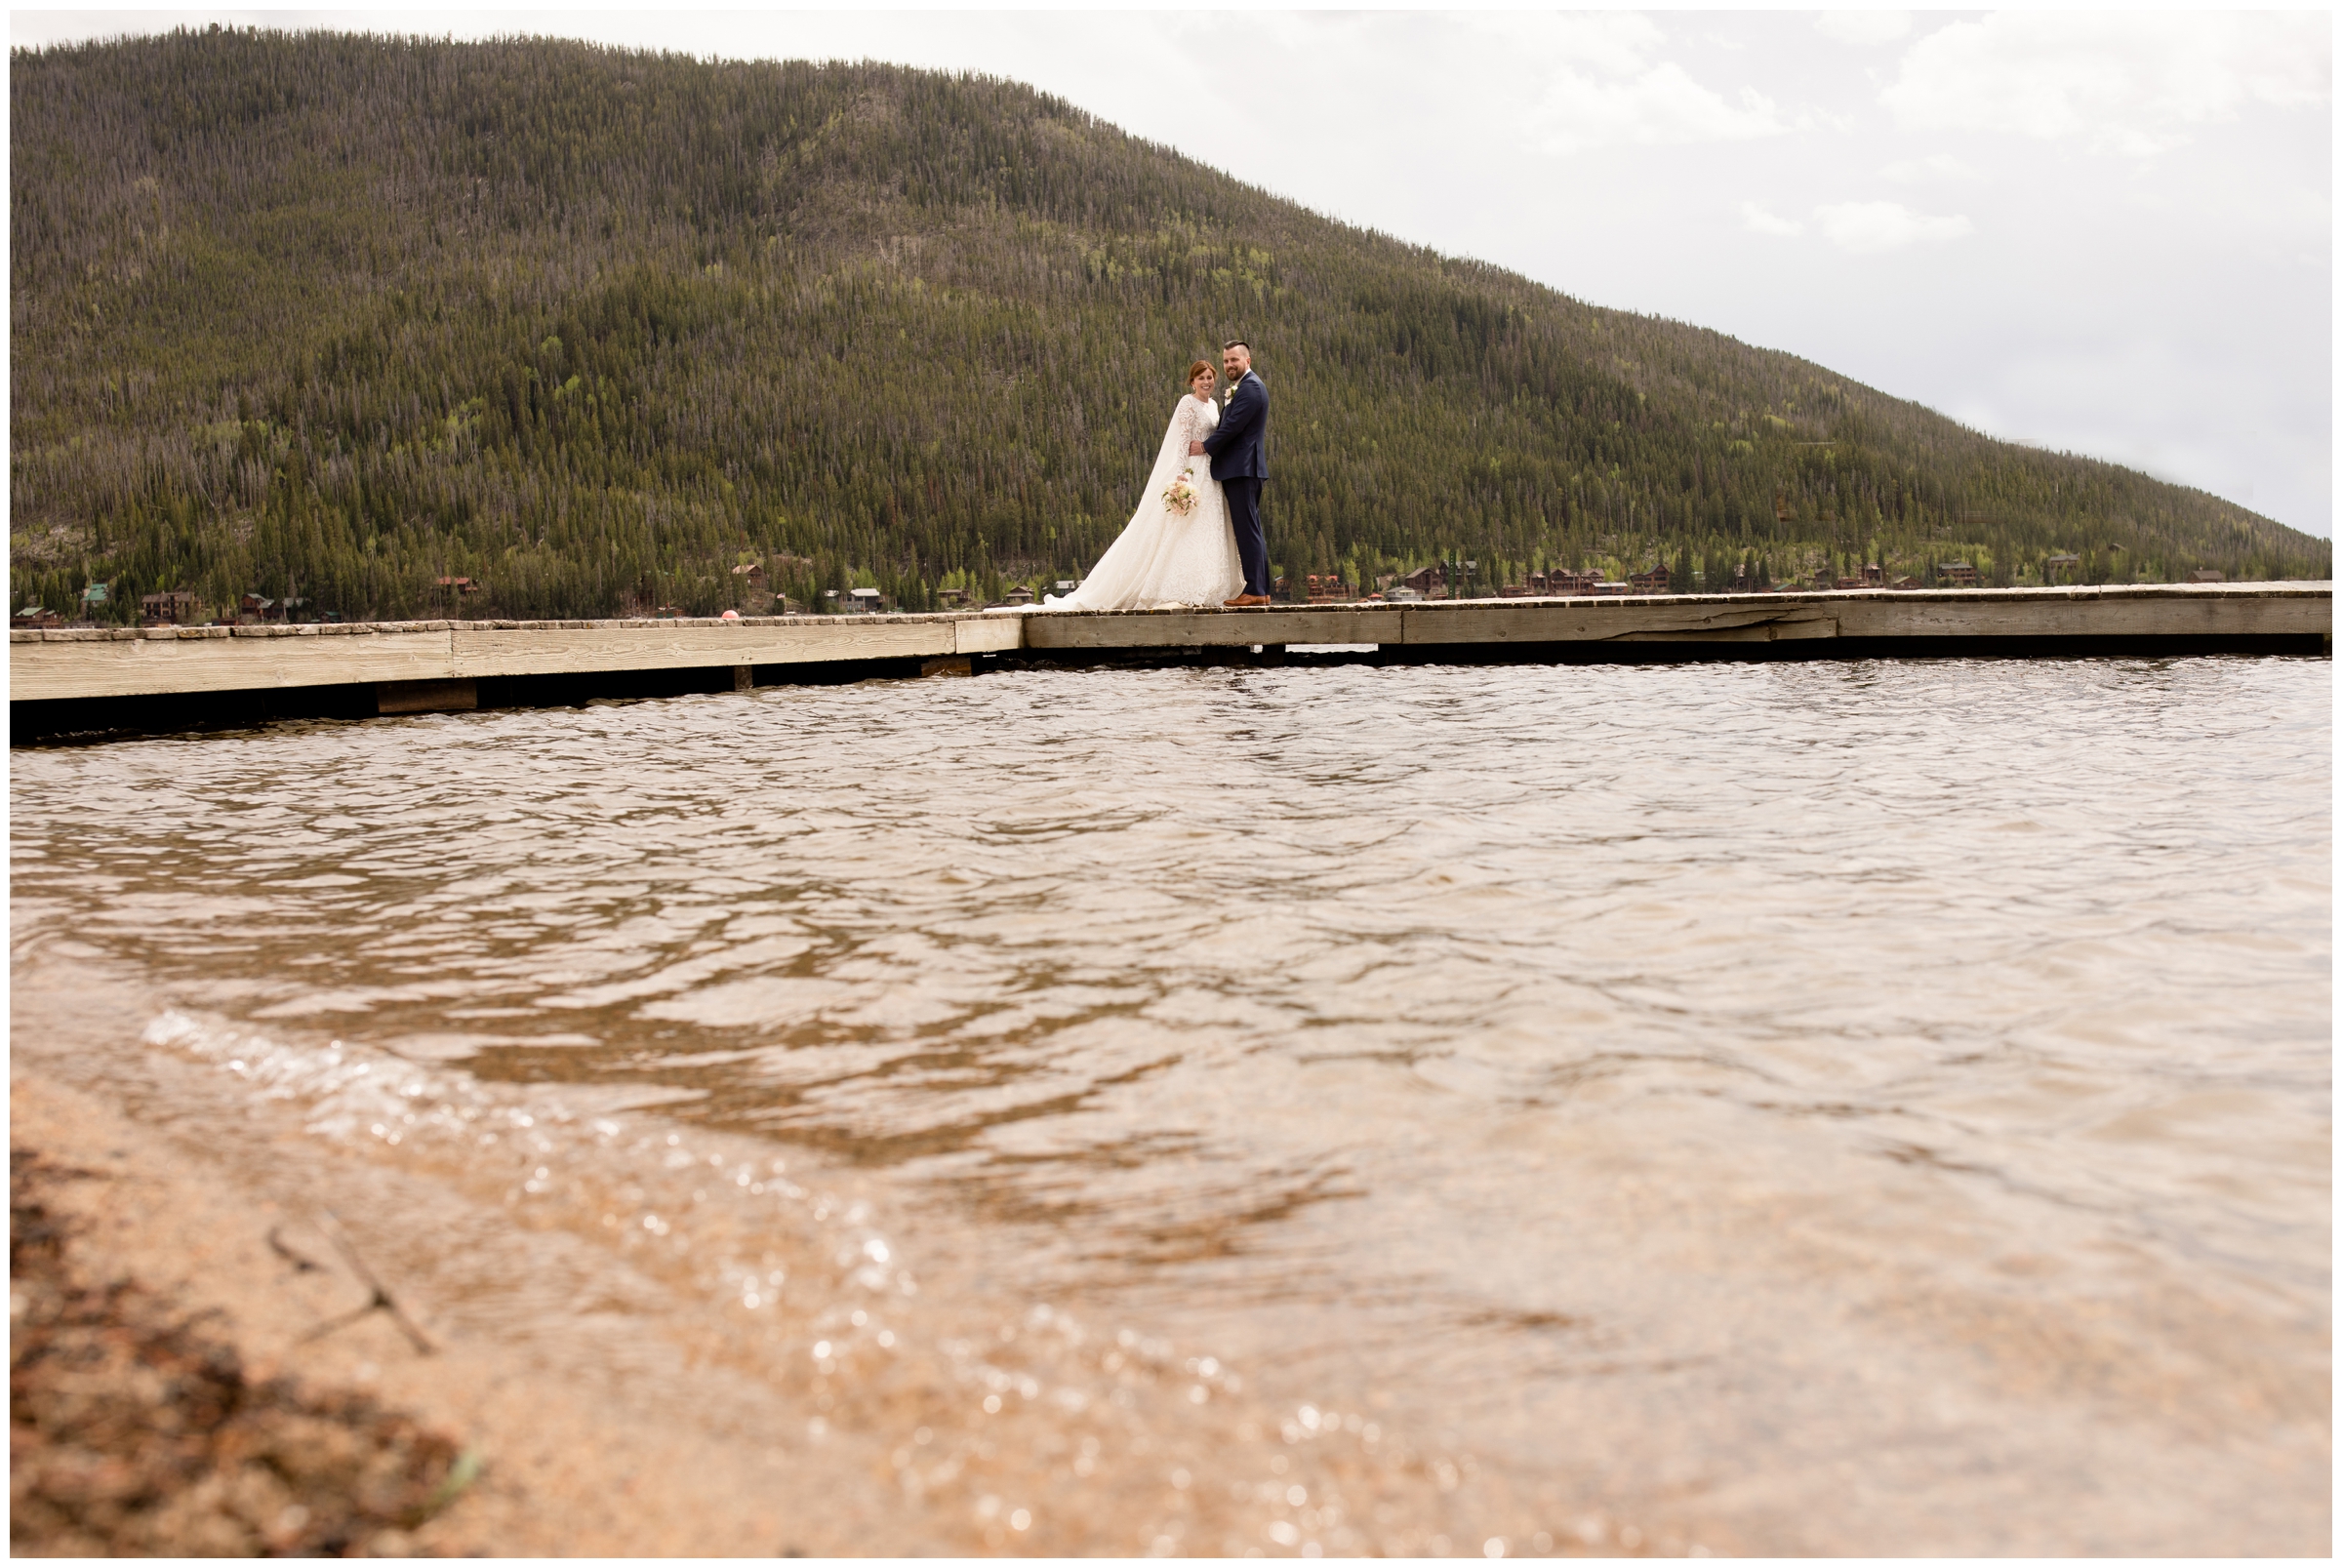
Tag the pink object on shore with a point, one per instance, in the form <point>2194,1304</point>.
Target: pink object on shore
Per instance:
<point>731,615</point>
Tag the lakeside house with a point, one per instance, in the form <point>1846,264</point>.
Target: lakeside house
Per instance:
<point>1958,574</point>
<point>254,606</point>
<point>1313,588</point>
<point>853,601</point>
<point>1020,594</point>
<point>748,588</point>
<point>1559,582</point>
<point>170,608</point>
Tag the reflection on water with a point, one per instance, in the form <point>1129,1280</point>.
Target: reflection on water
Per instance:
<point>1801,1107</point>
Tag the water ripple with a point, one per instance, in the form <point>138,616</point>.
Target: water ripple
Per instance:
<point>1725,1078</point>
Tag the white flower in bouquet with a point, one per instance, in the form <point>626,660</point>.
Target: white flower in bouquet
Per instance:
<point>1180,495</point>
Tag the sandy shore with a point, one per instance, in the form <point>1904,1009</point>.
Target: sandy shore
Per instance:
<point>566,1472</point>
<point>625,1391</point>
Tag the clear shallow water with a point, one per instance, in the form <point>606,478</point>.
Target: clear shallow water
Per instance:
<point>1782,1107</point>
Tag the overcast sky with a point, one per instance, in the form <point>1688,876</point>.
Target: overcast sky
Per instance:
<point>2110,232</point>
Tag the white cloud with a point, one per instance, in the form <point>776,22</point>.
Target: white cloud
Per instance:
<point>1607,87</point>
<point>1759,221</point>
<point>1868,227</point>
<point>1661,107</point>
<point>1939,166</point>
<point>2134,83</point>
<point>1617,42</point>
<point>1866,28</point>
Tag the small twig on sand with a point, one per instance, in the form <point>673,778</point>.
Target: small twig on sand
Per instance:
<point>300,1264</point>
<point>382,1302</point>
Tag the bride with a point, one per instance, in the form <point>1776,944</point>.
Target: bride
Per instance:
<point>1166,558</point>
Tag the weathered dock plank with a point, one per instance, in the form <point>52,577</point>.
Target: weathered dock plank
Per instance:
<point>1211,629</point>
<point>2287,610</point>
<point>436,661</point>
<point>165,660</point>
<point>580,647</point>
<point>988,634</point>
<point>1718,618</point>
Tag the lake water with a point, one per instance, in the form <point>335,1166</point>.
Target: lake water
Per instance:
<point>1869,1108</point>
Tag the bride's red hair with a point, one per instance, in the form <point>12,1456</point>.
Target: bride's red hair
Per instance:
<point>1200,367</point>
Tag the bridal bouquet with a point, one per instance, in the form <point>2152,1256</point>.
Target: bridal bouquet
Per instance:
<point>1180,495</point>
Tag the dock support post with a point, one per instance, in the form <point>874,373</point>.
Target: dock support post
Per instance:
<point>744,677</point>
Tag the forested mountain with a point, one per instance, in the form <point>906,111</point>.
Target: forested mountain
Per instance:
<point>343,315</point>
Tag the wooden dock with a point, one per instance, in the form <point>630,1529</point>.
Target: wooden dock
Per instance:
<point>96,678</point>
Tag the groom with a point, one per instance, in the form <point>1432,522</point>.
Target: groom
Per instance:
<point>1238,464</point>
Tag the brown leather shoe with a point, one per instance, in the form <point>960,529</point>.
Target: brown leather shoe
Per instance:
<point>1244,600</point>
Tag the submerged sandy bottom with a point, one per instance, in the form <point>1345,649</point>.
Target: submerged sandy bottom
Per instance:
<point>623,1408</point>
<point>571,1470</point>
<point>1768,1109</point>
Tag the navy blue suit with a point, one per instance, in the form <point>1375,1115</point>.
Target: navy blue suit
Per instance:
<point>1240,463</point>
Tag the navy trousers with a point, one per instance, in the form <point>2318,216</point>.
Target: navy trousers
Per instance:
<point>1252,545</point>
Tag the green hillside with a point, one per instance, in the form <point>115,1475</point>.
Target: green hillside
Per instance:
<point>343,315</point>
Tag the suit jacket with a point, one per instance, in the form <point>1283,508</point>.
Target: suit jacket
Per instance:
<point>1236,447</point>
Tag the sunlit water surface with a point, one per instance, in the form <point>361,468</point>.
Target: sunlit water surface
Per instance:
<point>1773,1107</point>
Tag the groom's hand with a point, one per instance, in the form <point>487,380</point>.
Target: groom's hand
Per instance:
<point>1195,449</point>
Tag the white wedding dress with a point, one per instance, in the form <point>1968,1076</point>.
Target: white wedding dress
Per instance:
<point>1163,559</point>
